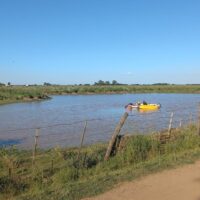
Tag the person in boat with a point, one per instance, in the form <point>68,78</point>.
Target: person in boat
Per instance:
<point>145,103</point>
<point>138,103</point>
<point>129,105</point>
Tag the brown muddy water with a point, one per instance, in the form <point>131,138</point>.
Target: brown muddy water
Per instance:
<point>61,120</point>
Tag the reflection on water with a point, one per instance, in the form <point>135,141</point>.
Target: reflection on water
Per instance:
<point>102,112</point>
<point>10,142</point>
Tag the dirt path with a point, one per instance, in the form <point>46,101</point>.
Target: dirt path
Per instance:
<point>176,184</point>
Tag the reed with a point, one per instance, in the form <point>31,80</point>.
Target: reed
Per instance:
<point>11,94</point>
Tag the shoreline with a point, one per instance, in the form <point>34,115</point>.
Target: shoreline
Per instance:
<point>26,100</point>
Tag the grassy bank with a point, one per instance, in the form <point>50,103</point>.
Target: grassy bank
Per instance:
<point>13,94</point>
<point>59,174</point>
<point>23,93</point>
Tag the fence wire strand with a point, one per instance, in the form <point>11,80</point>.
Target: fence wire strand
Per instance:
<point>101,129</point>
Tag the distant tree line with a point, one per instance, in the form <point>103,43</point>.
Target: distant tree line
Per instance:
<point>114,82</point>
<point>47,84</point>
<point>161,84</point>
<point>100,82</point>
<point>50,84</point>
<point>3,84</point>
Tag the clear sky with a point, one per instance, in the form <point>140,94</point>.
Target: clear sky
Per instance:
<point>82,41</point>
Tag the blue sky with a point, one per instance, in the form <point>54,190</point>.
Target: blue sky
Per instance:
<point>83,41</point>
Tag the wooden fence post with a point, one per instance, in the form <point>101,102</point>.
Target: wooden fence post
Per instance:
<point>114,136</point>
<point>82,139</point>
<point>170,123</point>
<point>36,144</point>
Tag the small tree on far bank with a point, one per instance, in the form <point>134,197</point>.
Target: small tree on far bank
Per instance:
<point>107,83</point>
<point>47,84</point>
<point>100,82</point>
<point>114,82</point>
<point>2,84</point>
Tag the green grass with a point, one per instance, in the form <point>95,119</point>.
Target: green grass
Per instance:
<point>23,93</point>
<point>57,174</point>
<point>20,94</point>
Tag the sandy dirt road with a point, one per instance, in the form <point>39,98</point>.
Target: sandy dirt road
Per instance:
<point>176,184</point>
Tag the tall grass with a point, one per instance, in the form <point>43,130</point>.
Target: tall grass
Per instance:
<point>23,93</point>
<point>57,174</point>
<point>18,94</point>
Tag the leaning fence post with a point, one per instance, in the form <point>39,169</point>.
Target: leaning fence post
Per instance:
<point>170,123</point>
<point>82,139</point>
<point>114,136</point>
<point>198,127</point>
<point>35,144</point>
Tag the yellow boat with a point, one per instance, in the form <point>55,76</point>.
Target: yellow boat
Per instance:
<point>149,106</point>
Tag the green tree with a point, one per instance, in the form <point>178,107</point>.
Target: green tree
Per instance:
<point>47,84</point>
<point>101,82</point>
<point>2,84</point>
<point>114,82</point>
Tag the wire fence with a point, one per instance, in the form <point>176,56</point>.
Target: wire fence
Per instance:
<point>98,129</point>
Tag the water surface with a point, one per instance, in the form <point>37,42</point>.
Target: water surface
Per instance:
<point>102,112</point>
